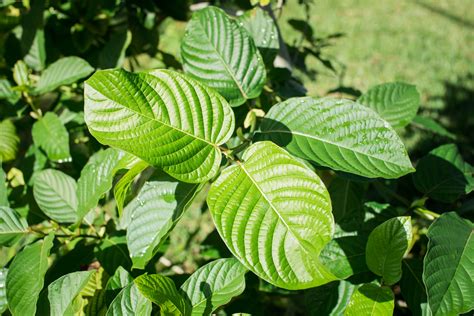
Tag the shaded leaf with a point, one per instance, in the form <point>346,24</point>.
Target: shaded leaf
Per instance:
<point>112,253</point>
<point>12,226</point>
<point>412,287</point>
<point>433,126</point>
<point>51,135</point>
<point>122,187</point>
<point>113,53</point>
<point>329,299</point>
<point>116,283</point>
<point>371,300</point>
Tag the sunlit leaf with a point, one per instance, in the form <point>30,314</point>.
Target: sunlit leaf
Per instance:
<point>9,141</point>
<point>12,226</point>
<point>371,300</point>
<point>51,135</point>
<point>130,302</point>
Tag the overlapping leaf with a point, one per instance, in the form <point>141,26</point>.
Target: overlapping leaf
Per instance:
<point>371,300</point>
<point>329,299</point>
<point>12,226</point>
<point>9,141</point>
<point>51,135</point>
<point>130,302</point>
<point>3,290</point>
<point>122,187</point>
<point>412,287</point>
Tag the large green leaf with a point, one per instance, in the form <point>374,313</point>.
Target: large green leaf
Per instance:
<point>12,226</point>
<point>337,133</point>
<point>3,290</point>
<point>153,213</point>
<point>396,102</point>
<point>329,299</point>
<point>274,214</point>
<point>386,247</point>
<point>130,302</point>
<point>64,71</point>
<point>217,51</point>
<point>55,193</point>
<point>412,287</point>
<point>25,277</point>
<point>214,285</point>
<point>63,291</point>
<point>443,175</point>
<point>371,300</point>
<point>448,271</point>
<point>9,141</point>
<point>51,135</point>
<point>162,291</point>
<point>162,117</point>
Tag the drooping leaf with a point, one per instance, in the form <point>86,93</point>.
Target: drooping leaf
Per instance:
<point>122,187</point>
<point>162,117</point>
<point>25,277</point>
<point>9,141</point>
<point>412,287</point>
<point>63,72</point>
<point>433,126</point>
<point>443,175</point>
<point>274,215</point>
<point>162,291</point>
<point>371,300</point>
<point>214,285</point>
<point>396,102</point>
<point>329,299</point>
<point>448,267</point>
<point>220,53</point>
<point>130,302</point>
<point>12,226</point>
<point>55,193</point>
<point>337,133</point>
<point>51,135</point>
<point>386,247</point>
<point>3,290</point>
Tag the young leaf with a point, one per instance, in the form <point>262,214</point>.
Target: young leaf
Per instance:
<point>448,267</point>
<point>371,300</point>
<point>3,290</point>
<point>346,197</point>
<point>337,133</point>
<point>274,215</point>
<point>61,293</point>
<point>221,54</point>
<point>329,299</point>
<point>12,226</point>
<point>395,102</point>
<point>412,287</point>
<point>25,277</point>
<point>214,285</point>
<point>130,302</point>
<point>443,175</point>
<point>9,141</point>
<point>432,125</point>
<point>122,187</point>
<point>7,93</point>
<point>63,72</point>
<point>55,193</point>
<point>116,283</point>
<point>162,117</point>
<point>162,291</point>
<point>51,135</point>
<point>386,247</point>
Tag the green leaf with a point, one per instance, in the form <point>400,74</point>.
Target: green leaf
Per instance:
<point>55,193</point>
<point>412,287</point>
<point>220,53</point>
<point>3,290</point>
<point>63,72</point>
<point>20,73</point>
<point>329,299</point>
<point>12,226</point>
<point>9,141</point>
<point>346,197</point>
<point>214,285</point>
<point>162,117</point>
<point>274,214</point>
<point>432,126</point>
<point>345,255</point>
<point>371,300</point>
<point>130,302</point>
<point>116,283</point>
<point>122,187</point>
<point>113,53</point>
<point>448,268</point>
<point>112,253</point>
<point>162,291</point>
<point>386,247</point>
<point>7,93</point>
<point>153,214</point>
<point>443,175</point>
<point>51,135</point>
<point>61,293</point>
<point>396,102</point>
<point>25,277</point>
<point>3,187</point>
<point>339,134</point>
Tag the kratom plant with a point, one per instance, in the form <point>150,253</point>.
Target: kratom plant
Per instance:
<point>301,190</point>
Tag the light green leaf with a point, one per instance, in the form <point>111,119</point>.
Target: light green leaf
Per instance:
<point>130,302</point>
<point>162,117</point>
<point>3,187</point>
<point>25,277</point>
<point>345,255</point>
<point>3,290</point>
<point>448,267</point>
<point>371,300</point>
<point>339,134</point>
<point>36,56</point>
<point>63,72</point>
<point>386,247</point>
<point>412,287</point>
<point>9,141</point>
<point>63,291</point>
<point>122,187</point>
<point>153,214</point>
<point>7,93</point>
<point>214,285</point>
<point>395,102</point>
<point>20,73</point>
<point>55,193</point>
<point>162,291</point>
<point>329,299</point>
<point>221,54</point>
<point>12,226</point>
<point>431,125</point>
<point>51,135</point>
<point>443,175</point>
<point>274,214</point>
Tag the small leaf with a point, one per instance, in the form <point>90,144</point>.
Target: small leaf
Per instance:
<point>433,126</point>
<point>25,277</point>
<point>329,299</point>
<point>221,54</point>
<point>12,226</point>
<point>116,283</point>
<point>9,141</point>
<point>3,290</point>
<point>130,302</point>
<point>20,73</point>
<point>214,285</point>
<point>371,300</point>
<point>396,102</point>
<point>6,92</point>
<point>3,187</point>
<point>386,247</point>
<point>122,187</point>
<point>339,134</point>
<point>448,268</point>
<point>412,287</point>
<point>55,193</point>
<point>51,135</point>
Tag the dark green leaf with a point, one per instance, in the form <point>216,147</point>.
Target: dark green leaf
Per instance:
<point>412,287</point>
